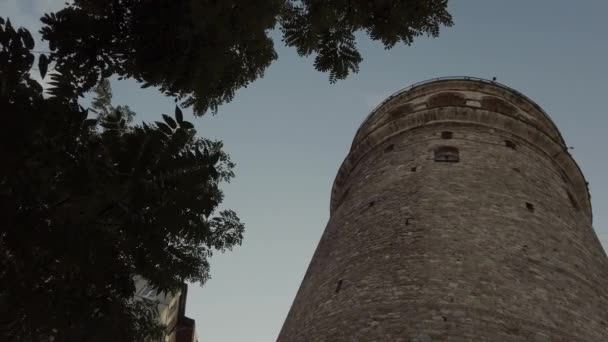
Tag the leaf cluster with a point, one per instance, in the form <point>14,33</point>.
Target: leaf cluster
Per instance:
<point>106,112</point>
<point>203,51</point>
<point>86,205</point>
<point>327,28</point>
<point>16,58</point>
<point>199,51</point>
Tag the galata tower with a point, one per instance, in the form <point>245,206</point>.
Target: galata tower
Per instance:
<point>458,215</point>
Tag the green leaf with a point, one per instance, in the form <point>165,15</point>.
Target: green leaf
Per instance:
<point>197,153</point>
<point>30,60</point>
<point>179,116</point>
<point>106,72</point>
<point>164,128</point>
<point>214,158</point>
<point>186,125</point>
<point>35,85</point>
<point>43,64</point>
<point>117,115</point>
<point>9,28</point>
<point>90,122</point>
<point>27,39</point>
<point>169,120</point>
<point>108,125</point>
<point>84,114</point>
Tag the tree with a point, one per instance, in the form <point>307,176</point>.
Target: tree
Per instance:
<point>86,208</point>
<point>89,203</point>
<point>102,103</point>
<point>203,51</point>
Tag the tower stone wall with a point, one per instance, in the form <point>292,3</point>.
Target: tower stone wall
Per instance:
<point>458,215</point>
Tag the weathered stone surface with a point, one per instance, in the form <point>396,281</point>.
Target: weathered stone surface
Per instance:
<point>495,247</point>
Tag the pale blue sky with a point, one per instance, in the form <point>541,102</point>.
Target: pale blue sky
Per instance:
<point>289,132</point>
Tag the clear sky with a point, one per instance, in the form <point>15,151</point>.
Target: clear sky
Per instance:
<point>289,132</point>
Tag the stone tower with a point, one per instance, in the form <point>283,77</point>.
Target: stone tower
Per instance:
<point>458,215</point>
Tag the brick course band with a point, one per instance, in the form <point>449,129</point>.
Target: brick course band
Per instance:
<point>493,243</point>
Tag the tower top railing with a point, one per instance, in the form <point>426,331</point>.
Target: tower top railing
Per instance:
<point>459,78</point>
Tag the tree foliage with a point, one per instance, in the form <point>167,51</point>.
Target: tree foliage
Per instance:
<point>203,51</point>
<point>88,202</point>
<point>102,104</point>
<point>85,208</point>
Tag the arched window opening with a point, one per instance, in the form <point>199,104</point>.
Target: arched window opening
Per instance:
<point>498,105</point>
<point>446,135</point>
<point>446,99</point>
<point>400,110</point>
<point>447,154</point>
<point>530,206</point>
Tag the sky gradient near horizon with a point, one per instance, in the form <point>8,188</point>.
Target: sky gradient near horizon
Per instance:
<point>289,132</point>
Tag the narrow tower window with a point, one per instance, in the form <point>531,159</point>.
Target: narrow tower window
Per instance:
<point>339,286</point>
<point>572,201</point>
<point>447,154</point>
<point>413,169</point>
<point>530,206</point>
<point>345,194</point>
<point>389,148</point>
<point>446,135</point>
<point>510,144</point>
